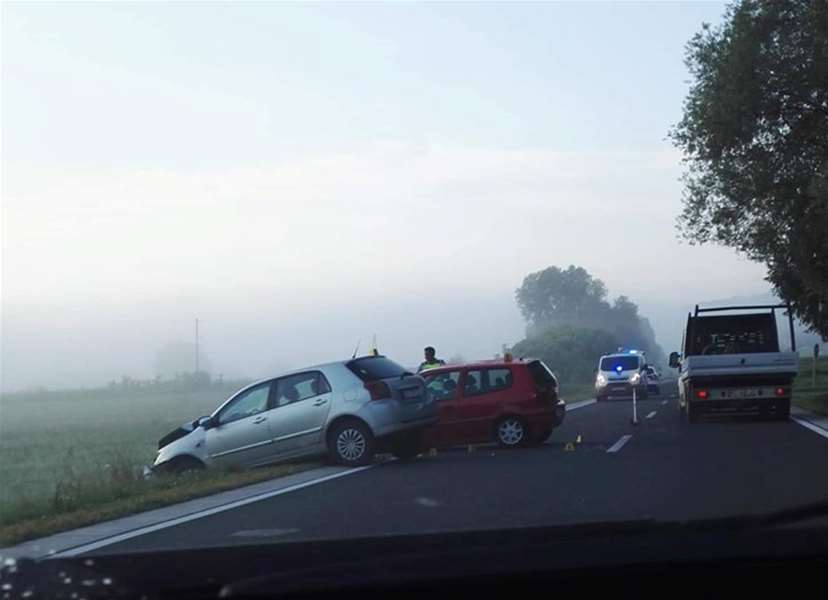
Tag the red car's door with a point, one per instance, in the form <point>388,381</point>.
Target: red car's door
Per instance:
<point>484,392</point>
<point>445,389</point>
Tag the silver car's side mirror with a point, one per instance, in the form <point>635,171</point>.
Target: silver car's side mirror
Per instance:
<point>206,422</point>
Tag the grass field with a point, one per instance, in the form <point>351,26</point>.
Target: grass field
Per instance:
<point>575,391</point>
<point>806,394</point>
<point>72,457</point>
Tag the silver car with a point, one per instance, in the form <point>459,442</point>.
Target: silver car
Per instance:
<point>348,409</point>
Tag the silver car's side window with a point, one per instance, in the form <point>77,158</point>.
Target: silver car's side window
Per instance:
<point>247,404</point>
<point>295,388</point>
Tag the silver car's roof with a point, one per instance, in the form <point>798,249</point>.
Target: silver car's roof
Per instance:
<point>319,367</point>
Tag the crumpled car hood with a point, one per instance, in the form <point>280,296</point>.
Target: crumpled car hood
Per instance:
<point>178,433</point>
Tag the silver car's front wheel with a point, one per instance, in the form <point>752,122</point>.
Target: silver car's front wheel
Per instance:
<point>351,443</point>
<point>511,432</point>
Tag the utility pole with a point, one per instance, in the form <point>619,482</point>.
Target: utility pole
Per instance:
<point>196,346</point>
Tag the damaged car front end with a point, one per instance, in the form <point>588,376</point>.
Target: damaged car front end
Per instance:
<point>182,449</point>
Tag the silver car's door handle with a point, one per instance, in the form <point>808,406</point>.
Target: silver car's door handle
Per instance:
<point>258,420</point>
<point>319,402</point>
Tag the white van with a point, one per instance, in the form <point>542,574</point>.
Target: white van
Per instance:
<point>619,374</point>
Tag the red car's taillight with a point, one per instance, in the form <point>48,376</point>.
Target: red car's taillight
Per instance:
<point>779,392</point>
<point>702,394</point>
<point>379,390</point>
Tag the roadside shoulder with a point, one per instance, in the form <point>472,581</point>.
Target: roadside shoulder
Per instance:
<point>66,540</point>
<point>812,420</point>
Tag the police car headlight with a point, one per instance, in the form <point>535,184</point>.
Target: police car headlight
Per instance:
<point>601,380</point>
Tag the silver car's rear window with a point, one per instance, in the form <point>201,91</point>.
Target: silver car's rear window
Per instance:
<point>371,368</point>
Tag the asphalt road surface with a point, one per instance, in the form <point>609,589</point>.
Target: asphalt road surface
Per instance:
<point>663,468</point>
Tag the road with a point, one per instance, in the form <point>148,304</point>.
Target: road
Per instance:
<point>663,468</point>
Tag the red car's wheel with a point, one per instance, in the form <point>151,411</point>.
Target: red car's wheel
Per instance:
<point>511,432</point>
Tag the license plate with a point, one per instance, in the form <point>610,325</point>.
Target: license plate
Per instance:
<point>740,393</point>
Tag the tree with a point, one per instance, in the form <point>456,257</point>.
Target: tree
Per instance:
<point>755,136</point>
<point>571,352</point>
<point>554,296</point>
<point>570,322</point>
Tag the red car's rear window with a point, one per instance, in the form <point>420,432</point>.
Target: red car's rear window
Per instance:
<point>541,375</point>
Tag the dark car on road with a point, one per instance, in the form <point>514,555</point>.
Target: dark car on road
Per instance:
<point>513,403</point>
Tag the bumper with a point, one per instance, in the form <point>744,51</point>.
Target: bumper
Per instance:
<point>390,428</point>
<point>747,406</point>
<point>559,414</point>
<point>386,417</point>
<point>541,423</point>
<point>619,391</point>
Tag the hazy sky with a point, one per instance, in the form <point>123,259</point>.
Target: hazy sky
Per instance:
<point>299,176</point>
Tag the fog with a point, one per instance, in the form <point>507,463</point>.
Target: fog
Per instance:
<point>150,179</point>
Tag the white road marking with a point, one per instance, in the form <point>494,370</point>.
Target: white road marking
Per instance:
<point>580,404</point>
<point>663,402</point>
<point>422,501</point>
<point>816,429</point>
<point>261,533</point>
<point>651,415</point>
<point>620,443</point>
<point>201,514</point>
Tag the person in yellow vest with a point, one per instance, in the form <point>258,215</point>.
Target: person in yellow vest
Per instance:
<point>431,360</point>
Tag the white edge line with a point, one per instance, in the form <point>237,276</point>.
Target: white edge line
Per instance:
<point>620,443</point>
<point>75,551</point>
<point>815,428</point>
<point>651,415</point>
<point>580,404</point>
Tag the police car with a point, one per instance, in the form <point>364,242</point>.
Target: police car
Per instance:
<point>653,380</point>
<point>619,374</point>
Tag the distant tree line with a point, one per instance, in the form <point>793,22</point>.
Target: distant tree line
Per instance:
<point>571,322</point>
<point>180,382</point>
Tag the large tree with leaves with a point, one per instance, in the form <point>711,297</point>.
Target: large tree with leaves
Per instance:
<point>755,137</point>
<point>573,299</point>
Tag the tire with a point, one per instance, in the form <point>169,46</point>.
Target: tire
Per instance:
<point>692,413</point>
<point>783,410</point>
<point>543,436</point>
<point>181,465</point>
<point>351,444</point>
<point>407,445</point>
<point>511,432</point>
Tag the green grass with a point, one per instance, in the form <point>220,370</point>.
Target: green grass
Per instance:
<point>577,391</point>
<point>88,501</point>
<point>805,393</point>
<point>71,458</point>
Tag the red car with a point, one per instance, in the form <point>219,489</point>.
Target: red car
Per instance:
<point>513,403</point>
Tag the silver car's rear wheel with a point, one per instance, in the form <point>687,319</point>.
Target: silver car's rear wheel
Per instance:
<point>510,432</point>
<point>351,443</point>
